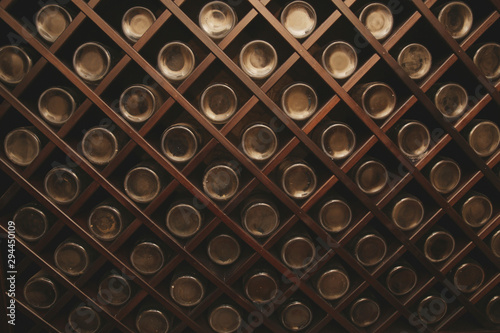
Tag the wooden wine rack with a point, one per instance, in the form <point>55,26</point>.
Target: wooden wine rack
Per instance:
<point>99,20</point>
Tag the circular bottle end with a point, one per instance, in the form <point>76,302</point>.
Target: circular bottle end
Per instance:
<point>259,142</point>
<point>31,223</point>
<point>296,316</point>
<point>114,290</point>
<point>370,250</point>
<point>340,60</point>
<point>451,100</point>
<point>260,219</point>
<point>221,182</point>
<point>223,250</point>
<point>435,304</point>
<point>217,19</point>
<point>408,213</point>
<point>179,143</point>
<point>299,18</point>
<point>298,252</point>
<point>22,146</point>
<point>477,211</point>
<point>493,310</point>
<point>484,138</point>
<point>40,292</point>
<point>299,181</point>
<point>364,312</point>
<point>62,185</point>
<point>56,105</point>
<point>218,103</point>
<point>99,145</point>
<point>487,58</point>
<point>299,101</point>
<point>445,176</point>
<point>176,61</point>
<point>378,100</point>
<point>338,141</point>
<point>261,288</point>
<point>415,60</point>
<point>414,139</point>
<point>439,246</point>
<point>377,18</point>
<point>225,319</point>
<point>401,280</point>
<point>372,177</point>
<point>183,220</point>
<point>91,61</point>
<point>468,277</point>
<point>152,320</point>
<point>51,21</point>
<point>142,184</point>
<point>105,223</point>
<point>457,18</point>
<point>84,318</point>
<point>333,284</point>
<point>147,258</point>
<point>335,215</point>
<point>14,64</point>
<point>71,258</point>
<point>138,103</point>
<point>136,21</point>
<point>258,59</point>
<point>187,291</point>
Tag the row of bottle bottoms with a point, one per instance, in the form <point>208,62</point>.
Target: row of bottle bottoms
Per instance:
<point>259,141</point>
<point>260,216</point>
<point>219,102</point>
<point>221,179</point>
<point>258,58</point>
<point>187,288</point>
<point>217,19</point>
<point>298,251</point>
